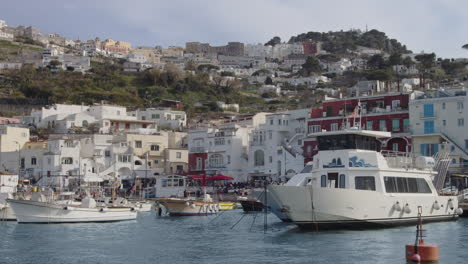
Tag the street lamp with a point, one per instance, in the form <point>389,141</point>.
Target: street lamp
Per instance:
<point>19,157</point>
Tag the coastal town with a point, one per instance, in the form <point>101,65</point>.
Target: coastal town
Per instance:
<point>326,130</point>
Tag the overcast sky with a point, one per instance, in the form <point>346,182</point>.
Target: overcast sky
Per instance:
<point>439,26</point>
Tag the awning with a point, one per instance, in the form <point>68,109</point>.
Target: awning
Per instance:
<point>218,177</point>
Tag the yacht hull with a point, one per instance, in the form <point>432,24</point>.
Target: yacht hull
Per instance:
<point>41,212</point>
<point>182,207</point>
<point>313,207</point>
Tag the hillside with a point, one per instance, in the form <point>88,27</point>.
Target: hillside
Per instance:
<point>341,42</point>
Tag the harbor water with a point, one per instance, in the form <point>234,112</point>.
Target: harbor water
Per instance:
<point>216,239</point>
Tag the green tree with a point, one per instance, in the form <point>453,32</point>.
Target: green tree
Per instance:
<point>274,41</point>
<point>395,59</point>
<point>376,62</point>
<point>312,65</point>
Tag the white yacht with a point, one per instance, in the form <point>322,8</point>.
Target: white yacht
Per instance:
<point>8,184</point>
<point>40,210</point>
<point>352,183</point>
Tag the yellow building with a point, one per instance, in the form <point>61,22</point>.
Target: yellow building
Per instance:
<point>114,46</point>
<point>13,138</point>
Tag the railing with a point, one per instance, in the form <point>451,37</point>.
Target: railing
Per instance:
<point>197,149</point>
<point>398,159</point>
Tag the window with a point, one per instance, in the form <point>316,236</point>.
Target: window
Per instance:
<point>443,106</point>
<point>444,122</point>
<point>123,144</point>
<point>259,158</point>
<point>155,116</point>
<point>69,143</point>
<point>406,125</point>
<point>228,159</point>
<point>406,185</point>
<point>107,153</point>
<point>138,144</point>
<point>199,163</point>
<point>314,128</point>
<point>178,155</point>
<point>395,125</point>
<point>216,160</point>
<point>309,149</point>
<point>219,141</point>
<point>342,181</point>
<point>270,159</point>
<point>125,158</point>
<point>168,117</point>
<point>395,104</point>
<point>22,163</point>
<point>466,143</point>
<point>383,125</point>
<point>428,110</point>
<point>271,121</point>
<point>299,142</point>
<point>323,181</point>
<point>143,118</point>
<point>33,161</point>
<point>429,149</point>
<point>369,125</point>
<point>270,134</point>
<point>67,160</point>
<point>156,162</point>
<point>154,147</point>
<point>84,123</point>
<point>334,127</point>
<point>460,105</point>
<point>329,111</point>
<point>429,127</point>
<point>49,161</point>
<point>364,183</point>
<point>461,122</point>
<point>395,147</point>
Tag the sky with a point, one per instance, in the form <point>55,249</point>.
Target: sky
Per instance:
<point>439,26</point>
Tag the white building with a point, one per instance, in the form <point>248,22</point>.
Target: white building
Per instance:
<point>275,147</point>
<point>223,149</point>
<point>257,50</point>
<point>367,87</point>
<point>269,89</point>
<point>62,118</point>
<point>228,107</point>
<point>283,50</point>
<point>438,117</point>
<point>164,117</point>
<point>6,36</point>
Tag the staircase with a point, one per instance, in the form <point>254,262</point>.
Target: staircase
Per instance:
<point>442,164</point>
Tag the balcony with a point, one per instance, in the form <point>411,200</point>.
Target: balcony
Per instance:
<point>424,116</point>
<point>197,149</point>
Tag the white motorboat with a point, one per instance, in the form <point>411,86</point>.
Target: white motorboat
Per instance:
<point>39,210</point>
<point>354,184</point>
<point>8,183</point>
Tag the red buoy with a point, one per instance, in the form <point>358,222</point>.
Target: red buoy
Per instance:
<point>419,252</point>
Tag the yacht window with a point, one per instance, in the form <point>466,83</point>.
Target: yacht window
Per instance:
<point>364,183</point>
<point>342,181</point>
<point>406,185</point>
<point>307,169</point>
<point>323,181</point>
<point>333,180</point>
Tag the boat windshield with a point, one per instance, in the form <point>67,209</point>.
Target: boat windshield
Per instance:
<point>348,141</point>
<point>307,169</point>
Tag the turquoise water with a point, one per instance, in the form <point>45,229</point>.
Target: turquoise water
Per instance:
<point>210,239</point>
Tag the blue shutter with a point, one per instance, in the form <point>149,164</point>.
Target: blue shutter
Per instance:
<point>436,148</point>
<point>423,149</point>
<point>428,110</point>
<point>429,127</point>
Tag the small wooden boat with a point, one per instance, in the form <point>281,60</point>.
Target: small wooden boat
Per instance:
<point>187,207</point>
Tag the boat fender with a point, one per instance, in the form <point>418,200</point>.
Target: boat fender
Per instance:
<point>210,207</point>
<point>407,209</point>
<point>459,211</point>
<point>204,208</point>
<point>436,205</point>
<point>104,209</point>
<point>65,208</point>
<point>132,209</point>
<point>217,207</point>
<point>192,205</point>
<point>187,204</point>
<point>450,204</point>
<point>397,206</point>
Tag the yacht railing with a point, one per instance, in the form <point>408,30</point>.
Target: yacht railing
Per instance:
<point>399,159</point>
